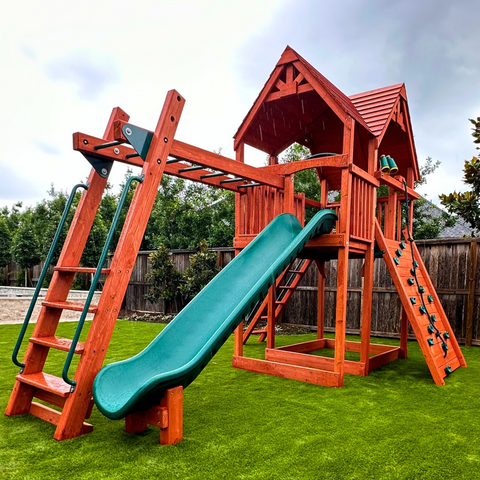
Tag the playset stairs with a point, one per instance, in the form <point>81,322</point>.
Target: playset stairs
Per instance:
<point>427,318</point>
<point>73,397</point>
<point>286,285</point>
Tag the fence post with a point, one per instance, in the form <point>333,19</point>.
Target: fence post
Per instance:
<point>472,271</point>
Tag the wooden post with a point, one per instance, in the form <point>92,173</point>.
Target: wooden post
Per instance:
<point>272,297</point>
<point>367,308</point>
<point>288,199</point>
<point>472,272</point>
<point>403,334</point>
<point>390,214</point>
<point>173,401</point>
<point>168,416</point>
<point>322,275</point>
<point>342,269</point>
<point>239,157</point>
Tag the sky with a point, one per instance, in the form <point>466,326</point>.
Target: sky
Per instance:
<point>65,65</point>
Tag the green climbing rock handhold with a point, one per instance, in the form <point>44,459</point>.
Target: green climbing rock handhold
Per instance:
<point>421,289</point>
<point>398,252</point>
<point>448,370</point>
<point>430,341</point>
<point>415,264</point>
<point>410,281</point>
<point>396,260</point>
<point>413,300</point>
<point>412,271</point>
<point>422,310</point>
<point>433,318</point>
<point>402,245</point>
<point>430,329</point>
<point>446,335</point>
<point>430,299</point>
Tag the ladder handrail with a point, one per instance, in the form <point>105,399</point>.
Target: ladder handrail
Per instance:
<point>96,277</point>
<point>41,278</point>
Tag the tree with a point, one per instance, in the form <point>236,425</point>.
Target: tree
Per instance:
<point>203,268</point>
<point>306,181</point>
<point>164,278</point>
<point>25,247</point>
<point>466,205</point>
<point>5,243</point>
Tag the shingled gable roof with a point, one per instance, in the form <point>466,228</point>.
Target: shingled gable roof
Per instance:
<point>289,56</point>
<point>375,106</point>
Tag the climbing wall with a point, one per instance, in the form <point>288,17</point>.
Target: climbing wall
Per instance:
<point>422,305</point>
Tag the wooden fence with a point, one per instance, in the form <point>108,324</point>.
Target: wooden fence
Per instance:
<point>452,264</point>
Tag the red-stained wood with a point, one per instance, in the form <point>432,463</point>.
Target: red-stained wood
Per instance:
<point>338,161</point>
<point>271,317</point>
<point>312,361</point>
<point>288,199</point>
<point>60,284</point>
<point>403,335</point>
<point>303,374</point>
<point>390,214</point>
<point>73,306</point>
<point>383,358</point>
<point>121,268</point>
<point>53,416</point>
<point>391,182</point>
<point>173,402</point>
<point>367,295</point>
<point>322,275</point>
<point>58,343</point>
<point>304,347</point>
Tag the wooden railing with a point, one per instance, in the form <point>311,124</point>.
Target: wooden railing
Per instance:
<point>363,200</point>
<point>260,205</point>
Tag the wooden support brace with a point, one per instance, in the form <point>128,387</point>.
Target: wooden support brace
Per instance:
<point>168,416</point>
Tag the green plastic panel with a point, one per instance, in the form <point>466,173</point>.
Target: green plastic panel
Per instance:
<point>183,348</point>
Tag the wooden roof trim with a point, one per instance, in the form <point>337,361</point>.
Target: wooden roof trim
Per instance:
<point>408,126</point>
<point>256,105</point>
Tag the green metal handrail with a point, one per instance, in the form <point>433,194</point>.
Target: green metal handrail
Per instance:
<point>42,275</point>
<point>96,277</point>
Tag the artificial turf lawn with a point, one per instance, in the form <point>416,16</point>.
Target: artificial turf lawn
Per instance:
<point>395,423</point>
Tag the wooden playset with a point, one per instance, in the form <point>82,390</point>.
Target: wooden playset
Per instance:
<point>357,143</point>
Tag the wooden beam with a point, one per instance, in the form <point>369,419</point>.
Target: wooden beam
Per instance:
<point>289,90</point>
<point>212,160</point>
<point>391,182</point>
<point>288,168</point>
<point>294,372</point>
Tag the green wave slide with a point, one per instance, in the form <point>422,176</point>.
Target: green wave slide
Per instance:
<point>185,346</point>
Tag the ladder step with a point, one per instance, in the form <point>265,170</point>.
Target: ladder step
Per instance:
<point>58,343</point>
<point>259,332</point>
<point>286,287</point>
<point>75,306</point>
<point>295,271</point>
<point>281,302</point>
<point>106,271</point>
<point>47,382</point>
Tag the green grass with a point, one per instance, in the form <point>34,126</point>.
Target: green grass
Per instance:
<point>394,424</point>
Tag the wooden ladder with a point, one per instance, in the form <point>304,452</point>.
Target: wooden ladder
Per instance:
<point>75,402</point>
<point>435,335</point>
<point>286,285</point>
